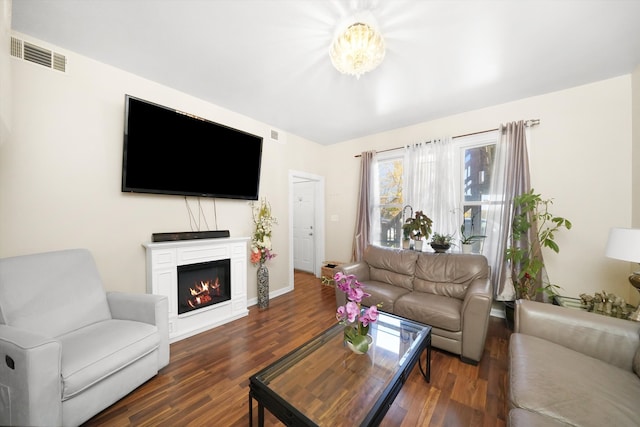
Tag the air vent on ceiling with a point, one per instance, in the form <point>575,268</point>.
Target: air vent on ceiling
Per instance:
<point>38,55</point>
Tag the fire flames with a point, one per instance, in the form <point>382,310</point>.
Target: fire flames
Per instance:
<point>203,292</point>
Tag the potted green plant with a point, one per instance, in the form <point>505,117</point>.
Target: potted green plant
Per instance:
<point>406,235</point>
<point>532,218</point>
<point>467,242</point>
<point>441,242</point>
<point>406,227</point>
<point>418,228</point>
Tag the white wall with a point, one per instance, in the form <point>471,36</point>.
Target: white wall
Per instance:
<point>5,70</point>
<point>60,172</point>
<point>580,157</point>
<point>635,78</point>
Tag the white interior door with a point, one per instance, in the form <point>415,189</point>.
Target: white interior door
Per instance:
<point>304,233</point>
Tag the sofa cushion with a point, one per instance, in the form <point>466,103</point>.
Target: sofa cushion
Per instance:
<point>392,266</point>
<point>523,418</point>
<point>570,386</point>
<point>448,274</point>
<point>434,310</point>
<point>97,351</point>
<point>52,293</point>
<point>636,362</point>
<point>382,293</point>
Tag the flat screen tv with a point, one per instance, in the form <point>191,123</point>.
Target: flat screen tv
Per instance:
<point>167,151</point>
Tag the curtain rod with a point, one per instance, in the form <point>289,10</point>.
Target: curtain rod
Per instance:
<point>528,123</point>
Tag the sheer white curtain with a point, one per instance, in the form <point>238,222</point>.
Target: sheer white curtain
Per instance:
<point>431,183</point>
<point>375,228</point>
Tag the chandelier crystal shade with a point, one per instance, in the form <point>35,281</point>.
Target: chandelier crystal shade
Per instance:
<point>357,50</point>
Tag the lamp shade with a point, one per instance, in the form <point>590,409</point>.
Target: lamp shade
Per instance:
<point>624,244</point>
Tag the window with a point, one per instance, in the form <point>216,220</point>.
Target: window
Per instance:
<point>387,199</point>
<point>476,156</point>
<point>475,162</point>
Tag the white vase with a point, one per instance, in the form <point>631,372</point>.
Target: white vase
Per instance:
<point>417,245</point>
<point>467,248</point>
<point>356,351</point>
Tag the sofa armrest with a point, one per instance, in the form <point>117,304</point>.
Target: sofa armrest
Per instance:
<point>611,340</point>
<point>147,308</point>
<point>476,309</point>
<point>359,269</point>
<point>30,378</point>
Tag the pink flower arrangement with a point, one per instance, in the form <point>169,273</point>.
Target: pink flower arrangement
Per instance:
<point>261,250</point>
<point>261,255</point>
<point>352,315</point>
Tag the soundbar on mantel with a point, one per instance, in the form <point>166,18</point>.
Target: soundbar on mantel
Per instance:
<point>189,235</point>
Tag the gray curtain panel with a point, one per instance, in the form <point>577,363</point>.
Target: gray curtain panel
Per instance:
<point>363,215</point>
<point>512,178</point>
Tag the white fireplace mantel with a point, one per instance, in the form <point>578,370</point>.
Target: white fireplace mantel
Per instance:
<point>163,260</point>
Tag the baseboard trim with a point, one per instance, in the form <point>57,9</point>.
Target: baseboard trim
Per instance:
<point>274,294</point>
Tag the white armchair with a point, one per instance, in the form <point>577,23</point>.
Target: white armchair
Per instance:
<point>68,349</point>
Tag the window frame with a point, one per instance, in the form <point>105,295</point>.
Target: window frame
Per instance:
<point>483,139</point>
<point>375,231</point>
<point>462,143</point>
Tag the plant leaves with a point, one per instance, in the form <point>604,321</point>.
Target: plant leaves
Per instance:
<point>360,343</point>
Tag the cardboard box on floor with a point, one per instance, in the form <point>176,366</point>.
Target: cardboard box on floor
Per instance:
<point>328,270</point>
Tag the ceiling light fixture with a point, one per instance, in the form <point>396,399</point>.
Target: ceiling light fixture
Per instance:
<point>357,50</point>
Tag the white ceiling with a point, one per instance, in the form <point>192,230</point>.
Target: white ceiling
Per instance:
<point>268,59</point>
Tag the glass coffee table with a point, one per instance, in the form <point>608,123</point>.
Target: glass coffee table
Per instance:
<point>322,383</point>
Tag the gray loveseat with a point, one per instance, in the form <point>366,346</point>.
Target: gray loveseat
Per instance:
<point>68,349</point>
<point>450,292</point>
<point>572,368</point>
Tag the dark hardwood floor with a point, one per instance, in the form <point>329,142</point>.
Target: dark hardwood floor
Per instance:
<point>207,381</point>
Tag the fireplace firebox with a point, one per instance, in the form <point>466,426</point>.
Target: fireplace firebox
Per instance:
<point>163,259</point>
<point>203,284</point>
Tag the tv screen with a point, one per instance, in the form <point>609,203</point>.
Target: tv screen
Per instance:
<point>170,152</point>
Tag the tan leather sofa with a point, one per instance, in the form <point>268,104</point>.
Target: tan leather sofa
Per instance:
<point>449,292</point>
<point>572,368</point>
